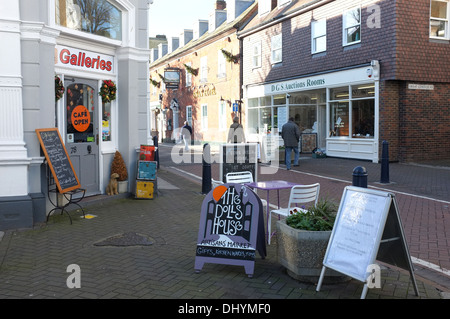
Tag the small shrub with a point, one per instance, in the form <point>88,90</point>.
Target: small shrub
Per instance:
<point>317,218</point>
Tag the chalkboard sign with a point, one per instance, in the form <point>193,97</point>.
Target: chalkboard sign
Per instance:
<point>230,228</point>
<point>58,159</point>
<point>238,157</point>
<point>367,228</point>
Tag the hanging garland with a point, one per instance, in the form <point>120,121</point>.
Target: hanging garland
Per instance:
<point>155,83</point>
<point>108,91</point>
<point>191,70</point>
<point>229,56</point>
<point>59,88</point>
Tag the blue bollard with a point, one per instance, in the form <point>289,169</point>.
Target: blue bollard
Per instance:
<point>385,163</point>
<point>360,176</point>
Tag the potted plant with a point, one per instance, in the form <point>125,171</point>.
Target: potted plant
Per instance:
<point>118,166</point>
<point>302,240</point>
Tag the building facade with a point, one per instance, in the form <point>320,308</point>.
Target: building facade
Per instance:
<point>352,74</point>
<point>77,47</point>
<point>207,63</point>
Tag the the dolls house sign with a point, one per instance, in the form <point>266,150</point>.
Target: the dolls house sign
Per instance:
<point>228,227</point>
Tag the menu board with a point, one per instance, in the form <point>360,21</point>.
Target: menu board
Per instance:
<point>58,160</point>
<point>238,157</point>
<point>357,231</point>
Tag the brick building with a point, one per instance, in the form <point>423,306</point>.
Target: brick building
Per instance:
<point>207,65</point>
<point>352,74</point>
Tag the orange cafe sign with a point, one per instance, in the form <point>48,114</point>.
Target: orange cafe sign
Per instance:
<point>83,60</point>
<point>81,118</point>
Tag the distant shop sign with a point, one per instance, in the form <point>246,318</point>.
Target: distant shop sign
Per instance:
<point>83,60</point>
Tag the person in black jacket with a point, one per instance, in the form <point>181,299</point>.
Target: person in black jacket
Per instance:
<point>236,132</point>
<point>186,132</point>
<point>291,135</point>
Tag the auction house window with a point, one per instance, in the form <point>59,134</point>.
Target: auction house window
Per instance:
<point>256,55</point>
<point>93,16</point>
<point>319,36</point>
<point>356,103</point>
<point>276,48</point>
<point>352,26</point>
<point>439,16</point>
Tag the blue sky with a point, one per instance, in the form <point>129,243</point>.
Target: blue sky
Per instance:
<point>171,17</point>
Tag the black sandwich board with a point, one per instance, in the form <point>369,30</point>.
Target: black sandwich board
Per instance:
<point>58,160</point>
<point>238,157</point>
<point>367,228</point>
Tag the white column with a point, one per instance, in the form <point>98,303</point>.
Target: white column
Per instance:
<point>13,154</point>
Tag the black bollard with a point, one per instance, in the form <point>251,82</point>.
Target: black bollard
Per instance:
<point>155,143</point>
<point>360,176</point>
<point>206,173</point>
<point>385,163</point>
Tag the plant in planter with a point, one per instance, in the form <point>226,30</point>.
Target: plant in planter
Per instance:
<point>302,240</point>
<point>118,166</point>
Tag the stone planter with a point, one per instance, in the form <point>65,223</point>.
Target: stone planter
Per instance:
<point>122,187</point>
<point>302,252</point>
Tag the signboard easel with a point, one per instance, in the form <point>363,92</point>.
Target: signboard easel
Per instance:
<point>231,228</point>
<point>367,228</point>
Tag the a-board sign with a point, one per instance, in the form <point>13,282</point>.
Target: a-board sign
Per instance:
<point>58,160</point>
<point>229,227</point>
<point>238,157</point>
<point>367,228</point>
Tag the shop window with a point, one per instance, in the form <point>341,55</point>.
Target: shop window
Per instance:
<point>304,116</point>
<point>256,55</point>
<point>279,99</point>
<point>252,121</point>
<point>106,122</point>
<point>439,16</point>
<point>339,93</point>
<point>266,119</point>
<point>363,118</point>
<point>276,48</point>
<point>92,16</point>
<point>339,115</point>
<point>352,26</point>
<point>318,36</point>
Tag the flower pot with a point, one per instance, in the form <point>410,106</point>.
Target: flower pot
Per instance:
<point>122,187</point>
<point>302,252</point>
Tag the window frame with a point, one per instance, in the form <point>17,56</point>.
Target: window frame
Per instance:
<point>222,116</point>
<point>345,27</point>
<point>204,69</point>
<point>221,65</point>
<point>273,49</point>
<point>204,117</point>
<point>188,77</point>
<point>446,21</point>
<point>314,36</point>
<point>257,56</point>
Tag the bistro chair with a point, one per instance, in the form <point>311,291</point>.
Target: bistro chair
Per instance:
<point>300,194</point>
<point>239,177</point>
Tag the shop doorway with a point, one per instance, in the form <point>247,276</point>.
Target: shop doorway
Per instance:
<point>81,138</point>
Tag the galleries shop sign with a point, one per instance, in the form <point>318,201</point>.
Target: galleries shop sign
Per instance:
<point>228,227</point>
<point>83,60</point>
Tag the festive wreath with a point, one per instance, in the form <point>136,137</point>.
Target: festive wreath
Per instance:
<point>108,91</point>
<point>59,88</point>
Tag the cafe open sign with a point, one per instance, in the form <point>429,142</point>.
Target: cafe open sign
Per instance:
<point>81,118</point>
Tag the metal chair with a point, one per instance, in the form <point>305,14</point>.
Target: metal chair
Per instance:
<point>300,194</point>
<point>239,177</point>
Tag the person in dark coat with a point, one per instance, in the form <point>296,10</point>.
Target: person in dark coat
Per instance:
<point>236,132</point>
<point>291,135</point>
<point>186,132</point>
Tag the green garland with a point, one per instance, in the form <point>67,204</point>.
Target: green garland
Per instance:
<point>155,83</point>
<point>230,57</point>
<point>191,70</point>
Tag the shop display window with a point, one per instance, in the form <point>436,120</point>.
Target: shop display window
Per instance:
<point>339,125</point>
<point>98,17</point>
<point>106,121</point>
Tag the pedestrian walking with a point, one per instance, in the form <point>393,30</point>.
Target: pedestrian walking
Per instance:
<point>236,132</point>
<point>186,133</point>
<point>291,135</point>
